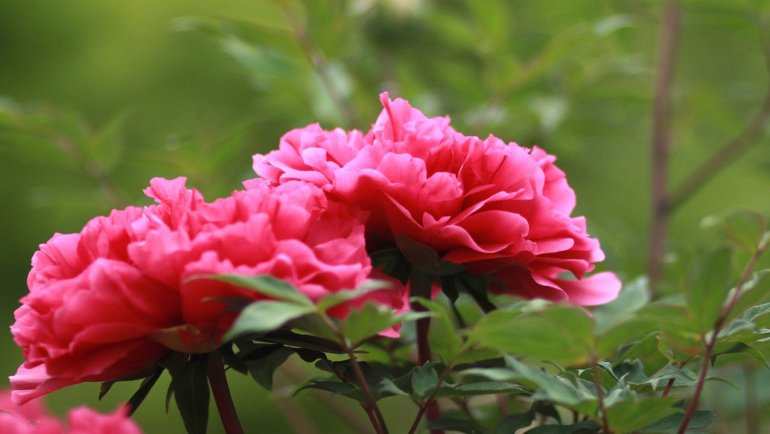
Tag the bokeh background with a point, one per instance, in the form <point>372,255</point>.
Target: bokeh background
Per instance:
<point>96,97</point>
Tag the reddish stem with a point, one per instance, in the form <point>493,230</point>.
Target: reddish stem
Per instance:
<point>222,396</point>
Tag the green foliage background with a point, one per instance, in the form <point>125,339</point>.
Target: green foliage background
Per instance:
<point>97,97</point>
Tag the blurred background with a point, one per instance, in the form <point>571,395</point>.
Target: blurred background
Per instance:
<point>98,97</point>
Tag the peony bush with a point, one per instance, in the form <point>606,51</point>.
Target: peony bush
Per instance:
<point>410,262</point>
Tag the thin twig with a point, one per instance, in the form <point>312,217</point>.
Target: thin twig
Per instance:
<point>729,152</point>
<point>321,67</point>
<point>378,421</point>
<point>720,322</point>
<point>661,141</point>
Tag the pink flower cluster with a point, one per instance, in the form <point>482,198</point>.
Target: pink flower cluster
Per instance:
<point>108,302</point>
<point>32,418</point>
<point>100,299</point>
<point>497,208</point>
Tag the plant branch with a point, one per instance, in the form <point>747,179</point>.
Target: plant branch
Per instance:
<point>661,141</point>
<point>720,322</point>
<point>321,67</point>
<point>729,152</point>
<point>378,422</point>
<point>222,396</point>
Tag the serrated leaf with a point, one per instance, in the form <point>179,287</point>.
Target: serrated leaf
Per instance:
<point>708,287</point>
<point>191,394</point>
<point>630,415</point>
<point>264,316</point>
<point>264,284</point>
<point>367,321</point>
<point>559,334</point>
<point>424,381</point>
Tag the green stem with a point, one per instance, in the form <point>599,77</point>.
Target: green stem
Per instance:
<point>222,396</point>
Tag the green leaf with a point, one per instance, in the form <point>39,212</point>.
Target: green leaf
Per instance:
<point>191,393</point>
<point>329,301</point>
<point>443,339</point>
<point>424,381</point>
<point>266,285</point>
<point>708,287</point>
<point>263,368</point>
<point>266,315</point>
<point>144,389</point>
<point>670,425</point>
<point>755,291</point>
<point>559,334</point>
<point>630,415</point>
<point>547,387</point>
<point>634,296</point>
<point>478,388</point>
<point>367,321</point>
<point>335,387</point>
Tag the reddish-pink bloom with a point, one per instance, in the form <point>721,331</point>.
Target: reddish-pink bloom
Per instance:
<point>107,303</point>
<point>497,208</point>
<point>33,418</point>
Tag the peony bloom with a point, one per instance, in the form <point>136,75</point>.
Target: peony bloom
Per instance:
<point>32,418</point>
<point>108,302</point>
<point>499,209</point>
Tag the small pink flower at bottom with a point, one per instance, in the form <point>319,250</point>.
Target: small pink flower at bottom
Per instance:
<point>32,418</point>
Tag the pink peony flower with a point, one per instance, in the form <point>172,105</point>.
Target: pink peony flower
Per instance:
<point>500,210</point>
<point>108,302</point>
<point>33,418</point>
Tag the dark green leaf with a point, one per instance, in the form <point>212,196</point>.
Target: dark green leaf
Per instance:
<point>266,315</point>
<point>424,381</point>
<point>335,387</point>
<point>144,389</point>
<point>262,369</point>
<point>191,393</point>
<point>478,388</point>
